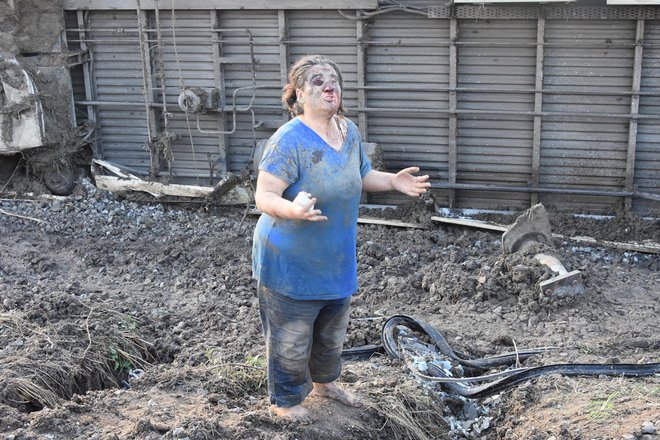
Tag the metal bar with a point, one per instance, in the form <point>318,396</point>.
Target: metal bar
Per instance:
<point>538,107</point>
<point>499,90</point>
<point>150,114</point>
<point>104,5</point>
<point>634,108</point>
<point>283,34</point>
<point>401,110</point>
<point>506,113</point>
<point>394,43</point>
<point>452,145</point>
<point>361,77</point>
<point>88,81</point>
<point>161,71</point>
<point>528,189</point>
<point>118,104</point>
<point>218,76</point>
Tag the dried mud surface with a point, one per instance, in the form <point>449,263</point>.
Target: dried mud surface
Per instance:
<point>104,286</point>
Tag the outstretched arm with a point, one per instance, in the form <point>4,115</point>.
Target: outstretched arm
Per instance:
<point>404,181</point>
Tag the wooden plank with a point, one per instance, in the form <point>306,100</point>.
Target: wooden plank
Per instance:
<point>114,169</point>
<point>11,214</point>
<point>380,221</point>
<point>651,248</point>
<point>218,4</point>
<point>236,196</point>
<point>470,223</point>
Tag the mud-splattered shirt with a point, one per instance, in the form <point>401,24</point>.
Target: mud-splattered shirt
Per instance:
<point>312,260</point>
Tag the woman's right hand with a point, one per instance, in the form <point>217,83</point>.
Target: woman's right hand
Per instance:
<point>302,208</point>
<point>268,198</point>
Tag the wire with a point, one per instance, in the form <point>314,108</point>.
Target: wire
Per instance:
<point>362,14</point>
<point>145,85</point>
<point>178,65</point>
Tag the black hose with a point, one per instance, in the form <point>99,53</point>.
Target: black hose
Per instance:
<point>391,346</point>
<point>483,364</point>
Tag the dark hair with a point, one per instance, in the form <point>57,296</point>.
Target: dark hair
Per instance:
<point>297,77</point>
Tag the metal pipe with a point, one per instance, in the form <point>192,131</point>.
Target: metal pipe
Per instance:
<point>277,108</point>
<point>500,90</point>
<point>234,109</point>
<point>507,113</point>
<point>648,196</point>
<point>355,110</point>
<point>528,189</point>
<point>118,104</point>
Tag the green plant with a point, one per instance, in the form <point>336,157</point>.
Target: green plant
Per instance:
<point>128,322</point>
<point>603,407</point>
<point>119,362</point>
<point>255,361</point>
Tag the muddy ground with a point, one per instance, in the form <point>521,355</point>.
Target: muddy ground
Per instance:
<point>126,320</point>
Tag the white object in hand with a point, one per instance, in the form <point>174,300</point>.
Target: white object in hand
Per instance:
<point>302,200</point>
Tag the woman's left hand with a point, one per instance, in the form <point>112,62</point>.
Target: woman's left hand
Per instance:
<point>405,182</point>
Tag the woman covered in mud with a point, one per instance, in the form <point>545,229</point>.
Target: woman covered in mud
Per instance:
<point>311,177</point>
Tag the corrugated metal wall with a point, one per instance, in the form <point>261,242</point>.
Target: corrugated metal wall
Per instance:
<point>647,163</point>
<point>495,147</point>
<point>117,75</point>
<point>196,157</point>
<point>538,98</point>
<point>407,67</point>
<point>250,55</point>
<point>594,59</point>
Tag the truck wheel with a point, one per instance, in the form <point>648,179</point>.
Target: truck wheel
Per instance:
<point>59,180</point>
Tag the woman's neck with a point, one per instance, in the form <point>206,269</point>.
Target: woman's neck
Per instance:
<point>325,126</point>
<point>320,122</point>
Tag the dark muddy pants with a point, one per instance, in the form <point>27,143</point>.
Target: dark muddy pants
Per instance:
<point>304,340</point>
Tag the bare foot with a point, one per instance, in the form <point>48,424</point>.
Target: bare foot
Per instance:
<point>295,413</point>
<point>333,391</point>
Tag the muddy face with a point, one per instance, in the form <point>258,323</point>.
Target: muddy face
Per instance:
<point>321,92</point>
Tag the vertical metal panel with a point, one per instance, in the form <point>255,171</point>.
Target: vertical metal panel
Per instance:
<point>242,30</point>
<point>452,144</point>
<point>118,78</point>
<point>188,48</point>
<point>647,160</point>
<point>495,149</point>
<point>219,80</point>
<point>634,109</point>
<point>361,67</point>
<point>584,151</point>
<point>73,44</point>
<point>408,67</point>
<point>148,88</point>
<point>538,107</point>
<point>326,33</point>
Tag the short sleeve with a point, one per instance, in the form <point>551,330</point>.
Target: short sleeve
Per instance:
<point>365,164</point>
<point>280,160</point>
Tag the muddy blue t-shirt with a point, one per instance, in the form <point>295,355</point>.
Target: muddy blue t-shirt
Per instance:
<point>299,258</point>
